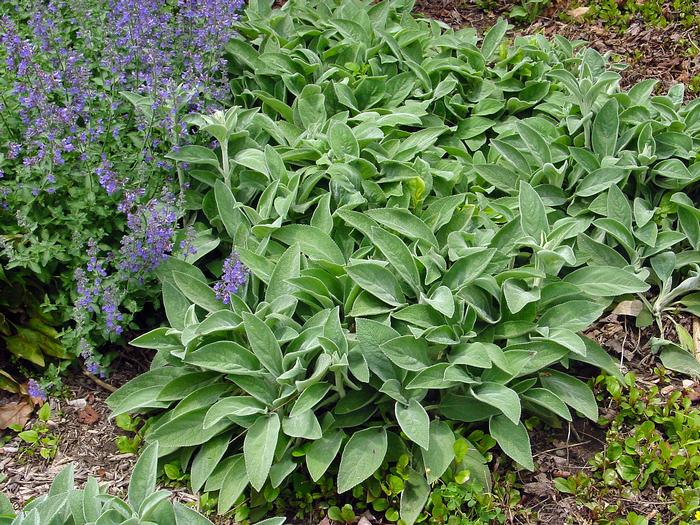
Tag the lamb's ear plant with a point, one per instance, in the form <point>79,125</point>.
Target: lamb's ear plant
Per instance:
<point>145,505</point>
<point>422,225</point>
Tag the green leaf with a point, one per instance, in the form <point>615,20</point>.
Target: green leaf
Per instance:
<point>309,398</point>
<point>259,448</point>
<point>572,315</point>
<point>407,353</point>
<point>513,440</point>
<point>362,456</point>
<point>596,356</point>
<point>157,339</point>
<point>315,243</point>
<point>413,497</point>
<point>226,357</point>
<point>206,460</point>
<point>403,222</point>
<point>187,516</point>
<point>572,391</point>
<point>378,281</point>
<point>414,421</point>
<point>439,455</point>
<point>263,343</point>
<point>322,452</point>
<point>599,180</point>
<point>287,267</point>
<point>518,295</point>
<point>605,129</point>
<point>235,482</point>
<point>533,216</point>
<point>187,430</point>
<point>144,477</point>
<point>233,406</point>
<point>500,397</point>
<point>493,38</point>
<point>197,292</point>
<point>680,360</point>
<point>398,256</point>
<point>342,141</point>
<point>143,391</point>
<point>548,401</point>
<point>468,268</point>
<point>606,281</point>
<point>303,425</point>
<point>193,154</point>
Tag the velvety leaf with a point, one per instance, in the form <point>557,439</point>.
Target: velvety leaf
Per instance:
<point>263,343</point>
<point>259,448</point>
<point>362,456</point>
<point>439,455</point>
<point>414,421</point>
<point>572,391</point>
<point>606,281</point>
<point>322,452</point>
<point>413,497</point>
<point>513,440</point>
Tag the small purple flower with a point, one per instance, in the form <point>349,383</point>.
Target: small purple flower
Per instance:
<point>35,390</point>
<point>235,275</point>
<point>108,178</point>
<point>110,308</point>
<point>13,150</point>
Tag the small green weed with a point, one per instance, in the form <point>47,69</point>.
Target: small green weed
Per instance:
<point>39,439</point>
<point>652,445</point>
<point>126,444</point>
<point>694,84</point>
<point>655,13</point>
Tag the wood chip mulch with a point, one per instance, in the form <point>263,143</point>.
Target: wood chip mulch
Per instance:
<point>86,438</point>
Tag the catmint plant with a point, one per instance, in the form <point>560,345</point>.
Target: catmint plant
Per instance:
<point>94,94</point>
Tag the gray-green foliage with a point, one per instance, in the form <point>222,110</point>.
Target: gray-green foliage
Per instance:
<point>430,222</point>
<point>66,505</point>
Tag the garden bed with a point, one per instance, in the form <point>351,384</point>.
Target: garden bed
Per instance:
<point>78,429</point>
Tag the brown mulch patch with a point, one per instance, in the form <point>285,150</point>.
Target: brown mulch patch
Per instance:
<point>650,52</point>
<point>86,438</point>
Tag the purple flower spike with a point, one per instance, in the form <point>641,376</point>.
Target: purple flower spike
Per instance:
<point>235,275</point>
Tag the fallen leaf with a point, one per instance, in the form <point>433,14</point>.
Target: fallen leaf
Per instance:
<point>364,521</point>
<point>14,413</point>
<point>578,12</point>
<point>77,403</point>
<point>632,308</point>
<point>88,416</point>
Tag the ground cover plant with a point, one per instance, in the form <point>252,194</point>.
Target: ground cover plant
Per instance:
<point>420,224</point>
<point>650,447</point>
